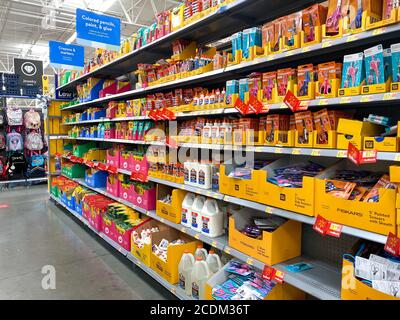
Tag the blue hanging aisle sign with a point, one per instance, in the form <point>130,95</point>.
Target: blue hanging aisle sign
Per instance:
<point>66,56</point>
<point>98,31</point>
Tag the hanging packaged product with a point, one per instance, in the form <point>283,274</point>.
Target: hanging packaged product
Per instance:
<point>286,78</point>
<point>353,74</point>
<point>269,87</point>
<point>329,75</point>
<point>292,30</point>
<point>305,82</point>
<point>375,71</point>
<point>304,129</point>
<point>395,51</point>
<point>313,18</point>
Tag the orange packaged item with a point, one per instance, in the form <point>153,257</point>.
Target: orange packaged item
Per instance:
<point>255,83</point>
<point>339,189</point>
<point>312,17</point>
<point>326,72</point>
<point>334,16</point>
<point>268,85</point>
<point>305,75</point>
<point>322,125</point>
<point>278,34</point>
<point>304,126</point>
<point>292,122</point>
<point>272,124</point>
<point>292,27</point>
<point>373,194</point>
<point>284,76</point>
<point>267,33</point>
<point>358,193</point>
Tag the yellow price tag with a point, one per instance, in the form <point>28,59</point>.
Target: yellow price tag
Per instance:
<point>397,157</point>
<point>367,98</point>
<point>197,236</point>
<point>269,58</point>
<point>162,220</point>
<point>183,230</point>
<point>258,149</point>
<point>345,100</point>
<point>227,250</point>
<point>283,106</point>
<point>173,290</point>
<point>315,153</point>
<point>250,261</point>
<point>323,102</point>
<point>378,31</point>
<point>289,53</point>
<point>305,49</point>
<point>341,154</point>
<point>326,44</point>
<point>296,151</point>
<point>278,150</point>
<point>214,244</point>
<point>139,264</point>
<point>389,96</point>
<point>268,210</point>
<point>369,154</point>
<point>351,38</point>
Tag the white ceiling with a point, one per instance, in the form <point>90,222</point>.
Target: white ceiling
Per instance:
<point>26,26</point>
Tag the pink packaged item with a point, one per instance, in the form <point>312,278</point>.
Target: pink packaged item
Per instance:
<point>113,157</point>
<point>147,200</point>
<point>126,160</point>
<point>126,191</point>
<point>113,185</point>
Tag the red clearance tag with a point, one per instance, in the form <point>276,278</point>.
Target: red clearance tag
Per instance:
<point>102,166</point>
<point>167,114</point>
<point>241,107</point>
<point>368,156</point>
<point>152,115</point>
<point>321,225</point>
<point>73,159</point>
<point>79,160</point>
<point>89,163</point>
<point>268,273</point>
<point>57,155</point>
<point>255,105</point>
<point>291,101</point>
<point>326,227</point>
<point>112,169</point>
<point>353,153</point>
<point>392,245</point>
<point>279,276</point>
<point>334,230</point>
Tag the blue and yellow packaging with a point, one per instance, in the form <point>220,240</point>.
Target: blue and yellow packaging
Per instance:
<point>387,60</point>
<point>353,70</point>
<point>243,88</point>
<point>374,65</point>
<point>395,50</point>
<point>250,38</point>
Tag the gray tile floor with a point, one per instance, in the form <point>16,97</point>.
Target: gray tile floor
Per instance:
<point>34,232</point>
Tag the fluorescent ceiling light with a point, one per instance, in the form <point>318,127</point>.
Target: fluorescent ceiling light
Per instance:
<point>71,39</point>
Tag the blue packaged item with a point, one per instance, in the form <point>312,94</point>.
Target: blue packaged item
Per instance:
<point>243,88</point>
<point>232,87</point>
<point>353,70</point>
<point>374,65</point>
<point>251,37</point>
<point>236,40</point>
<point>387,60</point>
<point>395,51</point>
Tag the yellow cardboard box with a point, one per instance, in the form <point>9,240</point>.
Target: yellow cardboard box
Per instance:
<point>394,173</point>
<point>274,247</point>
<point>354,289</point>
<point>144,253</point>
<point>282,291</point>
<point>169,269</point>
<point>172,211</point>
<point>379,217</point>
<point>387,144</point>
<point>354,131</point>
<point>299,200</point>
<point>331,143</point>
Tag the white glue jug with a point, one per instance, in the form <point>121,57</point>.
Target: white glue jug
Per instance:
<point>197,206</point>
<point>185,272</point>
<point>212,219</point>
<point>201,252</point>
<point>204,175</point>
<point>193,173</point>
<point>187,204</point>
<point>214,262</point>
<point>200,275</point>
<point>187,165</point>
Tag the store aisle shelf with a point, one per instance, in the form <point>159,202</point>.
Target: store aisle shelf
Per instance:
<point>226,20</point>
<point>173,288</point>
<point>231,72</point>
<point>321,282</point>
<point>363,234</point>
<point>41,179</point>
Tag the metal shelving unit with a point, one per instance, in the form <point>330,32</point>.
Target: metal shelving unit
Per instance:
<point>173,288</point>
<point>41,179</point>
<point>231,72</point>
<point>322,281</point>
<point>226,20</point>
